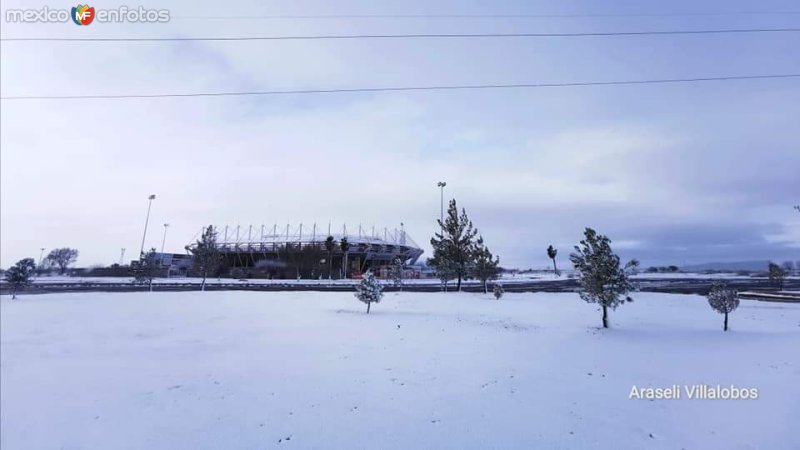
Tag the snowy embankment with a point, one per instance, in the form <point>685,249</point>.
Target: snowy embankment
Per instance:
<point>505,279</point>
<point>311,370</point>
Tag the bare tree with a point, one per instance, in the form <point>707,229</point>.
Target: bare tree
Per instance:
<point>776,275</point>
<point>62,258</point>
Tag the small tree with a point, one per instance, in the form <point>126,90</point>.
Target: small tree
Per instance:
<point>369,290</point>
<point>345,246</point>
<point>601,278</point>
<point>398,269</point>
<point>776,275</point>
<point>445,269</point>
<point>498,291</point>
<point>724,300</point>
<point>486,265</point>
<point>206,255</point>
<point>330,245</point>
<point>20,275</point>
<point>146,268</point>
<point>551,253</point>
<point>632,268</point>
<point>456,242</point>
<point>62,258</point>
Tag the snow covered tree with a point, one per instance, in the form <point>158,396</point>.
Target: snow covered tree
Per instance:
<point>632,268</point>
<point>776,275</point>
<point>345,246</point>
<point>62,258</point>
<point>206,255</point>
<point>398,268</point>
<point>486,265</point>
<point>601,278</point>
<point>330,245</point>
<point>146,268</point>
<point>551,253</point>
<point>19,275</point>
<point>369,290</point>
<point>724,300</point>
<point>455,243</point>
<point>445,270</point>
<point>498,291</point>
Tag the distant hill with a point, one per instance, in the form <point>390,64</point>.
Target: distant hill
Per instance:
<point>732,266</point>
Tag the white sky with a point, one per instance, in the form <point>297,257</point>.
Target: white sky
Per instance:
<point>672,173</point>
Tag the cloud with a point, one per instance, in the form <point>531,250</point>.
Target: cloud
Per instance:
<point>670,173</point>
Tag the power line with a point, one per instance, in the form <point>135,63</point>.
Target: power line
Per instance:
<point>486,16</point>
<point>405,88</point>
<point>404,36</point>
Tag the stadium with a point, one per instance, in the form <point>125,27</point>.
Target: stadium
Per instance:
<point>311,253</point>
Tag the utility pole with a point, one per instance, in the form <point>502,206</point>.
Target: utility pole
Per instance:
<point>146,221</point>
<point>441,185</point>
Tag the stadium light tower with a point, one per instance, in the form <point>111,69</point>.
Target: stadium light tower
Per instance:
<point>441,185</point>
<point>164,239</point>
<point>146,220</point>
<point>41,255</point>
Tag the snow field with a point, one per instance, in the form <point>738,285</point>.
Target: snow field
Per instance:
<point>311,370</point>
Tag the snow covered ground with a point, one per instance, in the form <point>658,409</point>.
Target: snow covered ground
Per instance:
<point>310,370</point>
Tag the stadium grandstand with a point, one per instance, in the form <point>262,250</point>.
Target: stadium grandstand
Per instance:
<point>310,252</point>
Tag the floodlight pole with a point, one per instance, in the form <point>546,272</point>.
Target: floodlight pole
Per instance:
<point>441,185</point>
<point>146,221</point>
<point>164,240</point>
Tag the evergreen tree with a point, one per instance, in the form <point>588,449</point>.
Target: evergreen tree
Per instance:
<point>398,269</point>
<point>551,253</point>
<point>724,300</point>
<point>776,275</point>
<point>486,265</point>
<point>146,268</point>
<point>498,291</point>
<point>369,290</point>
<point>62,258</point>
<point>455,244</point>
<point>345,246</point>
<point>207,256</point>
<point>20,275</point>
<point>445,270</point>
<point>330,245</point>
<point>601,278</point>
